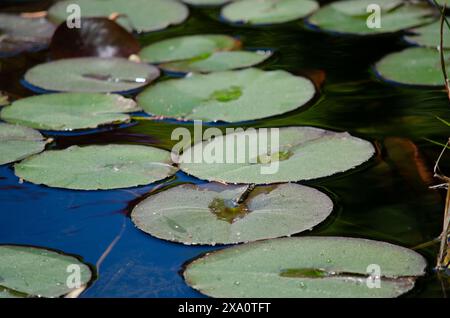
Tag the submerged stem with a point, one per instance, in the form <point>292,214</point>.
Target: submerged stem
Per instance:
<point>441,262</point>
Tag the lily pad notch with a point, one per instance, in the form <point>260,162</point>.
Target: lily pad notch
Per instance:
<point>224,214</point>
<point>307,267</point>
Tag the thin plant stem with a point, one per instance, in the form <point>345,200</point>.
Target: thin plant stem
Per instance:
<point>441,264</point>
<point>437,173</point>
<point>441,53</point>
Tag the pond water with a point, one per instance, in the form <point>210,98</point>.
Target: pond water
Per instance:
<point>386,199</point>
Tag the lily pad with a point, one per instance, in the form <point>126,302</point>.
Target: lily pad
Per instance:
<point>303,153</point>
<point>39,272</point>
<point>187,47</point>
<point>219,61</point>
<point>97,167</point>
<point>413,66</point>
<point>207,2</point>
<point>17,142</point>
<point>430,35</point>
<point>267,11</point>
<point>18,34</point>
<point>231,96</point>
<point>359,8</point>
<point>69,111</point>
<point>138,15</point>
<point>92,75</point>
<point>307,267</point>
<point>218,214</point>
<point>351,16</point>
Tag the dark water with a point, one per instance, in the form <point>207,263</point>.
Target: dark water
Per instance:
<point>387,199</point>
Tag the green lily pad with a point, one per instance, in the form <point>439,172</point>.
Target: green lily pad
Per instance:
<point>303,153</point>
<point>187,47</point>
<point>91,75</point>
<point>207,2</point>
<point>413,66</point>
<point>219,61</point>
<point>17,143</point>
<point>359,8</point>
<point>138,15</point>
<point>39,272</point>
<point>268,11</point>
<point>231,96</point>
<point>18,34</point>
<point>97,167</point>
<point>430,35</point>
<point>69,111</point>
<point>311,267</point>
<point>350,16</point>
<point>217,214</point>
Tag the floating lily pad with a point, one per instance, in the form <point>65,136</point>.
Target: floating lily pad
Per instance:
<point>187,47</point>
<point>303,153</point>
<point>217,214</point>
<point>430,35</point>
<point>69,111</point>
<point>231,96</point>
<point>267,11</point>
<point>92,75</point>
<point>351,16</point>
<point>413,66</point>
<point>18,34</point>
<point>311,267</point>
<point>138,15</point>
<point>17,142</point>
<point>219,61</point>
<point>39,272</point>
<point>359,8</point>
<point>207,2</point>
<point>97,167</point>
